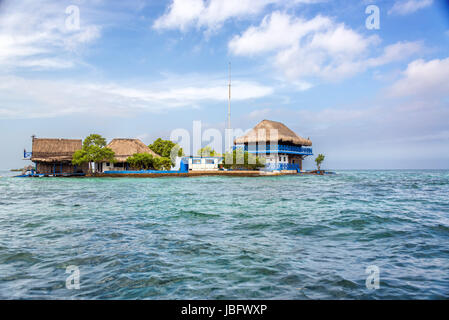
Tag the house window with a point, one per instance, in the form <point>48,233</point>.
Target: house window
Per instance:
<point>196,161</point>
<point>107,164</point>
<point>118,165</point>
<point>285,159</point>
<point>209,161</point>
<point>280,159</point>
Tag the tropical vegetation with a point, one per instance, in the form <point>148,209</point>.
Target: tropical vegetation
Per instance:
<point>318,160</point>
<point>93,151</point>
<point>162,163</point>
<point>239,159</point>
<point>141,161</point>
<point>167,149</point>
<point>207,152</point>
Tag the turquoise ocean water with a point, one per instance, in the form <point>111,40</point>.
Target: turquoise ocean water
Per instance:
<point>289,237</point>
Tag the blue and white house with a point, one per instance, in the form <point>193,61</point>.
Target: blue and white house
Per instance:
<point>281,147</point>
<point>198,163</point>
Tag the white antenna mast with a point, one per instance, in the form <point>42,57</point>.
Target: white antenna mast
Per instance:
<point>229,108</point>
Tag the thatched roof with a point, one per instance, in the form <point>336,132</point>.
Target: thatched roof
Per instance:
<point>262,133</point>
<point>125,148</point>
<point>50,150</point>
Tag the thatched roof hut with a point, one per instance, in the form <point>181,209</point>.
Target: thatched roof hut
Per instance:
<point>262,133</point>
<point>54,150</point>
<point>125,148</point>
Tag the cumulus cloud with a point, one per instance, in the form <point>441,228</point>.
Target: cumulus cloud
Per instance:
<point>34,98</point>
<point>35,35</point>
<point>396,52</point>
<point>183,14</point>
<point>409,6</point>
<point>180,15</point>
<point>423,78</point>
<point>276,31</point>
<point>319,47</point>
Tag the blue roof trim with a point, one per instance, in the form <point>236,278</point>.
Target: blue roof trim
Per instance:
<point>142,171</point>
<point>280,152</point>
<point>199,157</point>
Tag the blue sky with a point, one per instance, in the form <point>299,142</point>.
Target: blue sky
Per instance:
<point>367,98</point>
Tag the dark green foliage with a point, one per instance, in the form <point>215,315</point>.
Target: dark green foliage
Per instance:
<point>162,163</point>
<point>207,152</point>
<point>240,159</point>
<point>94,140</point>
<point>145,161</point>
<point>94,150</point>
<point>319,159</point>
<point>167,149</point>
<point>141,161</point>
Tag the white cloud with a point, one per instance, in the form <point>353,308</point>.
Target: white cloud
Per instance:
<point>143,137</point>
<point>396,128</point>
<point>309,1</point>
<point>302,85</point>
<point>423,78</point>
<point>318,47</point>
<point>46,63</point>
<point>180,14</point>
<point>340,40</point>
<point>409,6</point>
<point>276,31</point>
<point>260,114</point>
<point>396,52</point>
<point>439,135</point>
<point>31,98</point>
<point>183,14</point>
<point>34,35</point>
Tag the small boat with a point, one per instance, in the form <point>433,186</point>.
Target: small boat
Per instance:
<point>26,172</point>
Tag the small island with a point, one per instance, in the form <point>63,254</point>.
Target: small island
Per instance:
<point>270,148</point>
